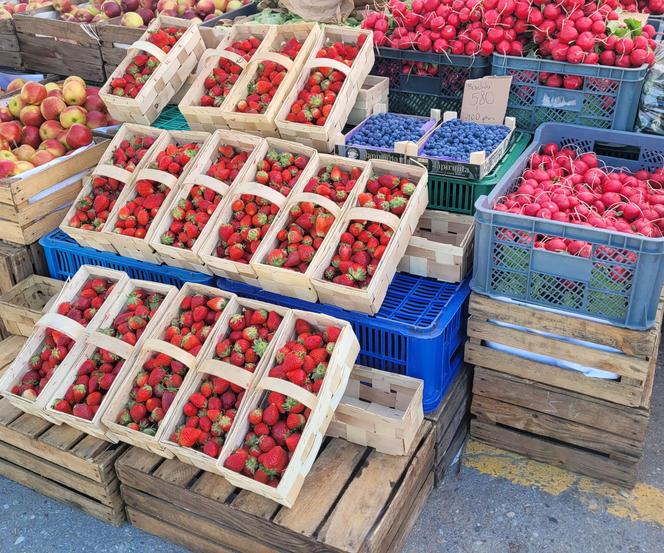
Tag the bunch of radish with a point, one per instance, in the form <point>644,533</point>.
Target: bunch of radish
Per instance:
<point>563,185</point>
<point>574,31</point>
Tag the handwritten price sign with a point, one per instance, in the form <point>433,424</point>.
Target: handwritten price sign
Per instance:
<point>485,100</point>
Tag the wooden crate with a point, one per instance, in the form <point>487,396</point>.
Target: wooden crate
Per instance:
<point>355,499</point>
<point>441,247</point>
<point>18,262</point>
<point>173,69</point>
<point>451,422</point>
<point>324,138</point>
<point>379,409</point>
<point>23,221</point>
<point>546,333</point>
<point>51,45</point>
<point>10,51</point>
<point>22,306</point>
<point>575,431</point>
<point>372,98</point>
<point>9,348</point>
<point>61,463</point>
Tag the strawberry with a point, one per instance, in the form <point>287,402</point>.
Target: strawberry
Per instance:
<point>334,182</point>
<point>236,460</point>
<point>134,316</point>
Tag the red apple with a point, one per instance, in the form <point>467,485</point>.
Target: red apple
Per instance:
<point>31,136</point>
<point>96,119</point>
<point>72,115</point>
<point>41,157</point>
<point>33,93</point>
<point>94,103</point>
<point>5,115</point>
<point>50,129</point>
<point>54,146</point>
<point>7,168</point>
<point>73,91</point>
<point>55,93</point>
<point>11,131</point>
<point>78,135</point>
<point>22,167</point>
<point>16,84</point>
<point>92,91</point>
<point>31,115</point>
<point>52,107</point>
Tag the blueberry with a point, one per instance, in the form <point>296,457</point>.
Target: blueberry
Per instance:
<point>457,139</point>
<point>384,129</point>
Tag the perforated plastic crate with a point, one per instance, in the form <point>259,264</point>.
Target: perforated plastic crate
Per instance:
<point>170,119</point>
<point>621,280</point>
<point>64,257</point>
<point>459,195</point>
<point>419,331</point>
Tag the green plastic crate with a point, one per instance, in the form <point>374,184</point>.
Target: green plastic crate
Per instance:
<point>459,195</point>
<point>170,119</point>
<point>420,104</point>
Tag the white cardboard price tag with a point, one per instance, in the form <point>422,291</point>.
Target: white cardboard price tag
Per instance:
<point>485,100</point>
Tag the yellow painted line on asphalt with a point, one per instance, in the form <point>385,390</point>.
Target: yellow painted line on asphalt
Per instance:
<point>645,503</point>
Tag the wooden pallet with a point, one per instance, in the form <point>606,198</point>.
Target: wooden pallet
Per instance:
<point>61,462</point>
<point>547,333</point>
<point>354,499</point>
<point>580,433</point>
<point>450,421</point>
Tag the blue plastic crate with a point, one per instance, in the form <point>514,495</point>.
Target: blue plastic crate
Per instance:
<point>420,330</point>
<point>621,280</point>
<point>64,256</point>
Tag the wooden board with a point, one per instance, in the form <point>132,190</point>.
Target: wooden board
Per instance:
<point>354,499</point>
<point>584,434</point>
<point>61,462</point>
<point>18,262</point>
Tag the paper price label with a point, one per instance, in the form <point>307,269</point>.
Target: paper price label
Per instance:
<point>485,100</point>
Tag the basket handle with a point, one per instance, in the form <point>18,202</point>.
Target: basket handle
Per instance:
<point>317,199</point>
<point>218,186</point>
<point>252,187</point>
<point>150,48</point>
<point>172,351</point>
<point>64,324</point>
<point>110,343</point>
<point>289,389</point>
<point>376,215</point>
<point>229,372</point>
<point>112,172</point>
<point>160,176</point>
<point>328,62</point>
<point>280,59</point>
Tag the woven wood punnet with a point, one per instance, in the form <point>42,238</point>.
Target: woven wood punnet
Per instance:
<point>105,168</point>
<point>197,175</point>
<point>324,138</point>
<point>173,69</point>
<point>373,98</point>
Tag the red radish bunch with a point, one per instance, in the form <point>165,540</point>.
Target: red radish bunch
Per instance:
<point>299,241</point>
<point>136,216</point>
<point>42,365</point>
<point>280,170</point>
<point>142,66</point>
<point>571,187</point>
<point>153,391</point>
<point>196,316</point>
<point>209,415</point>
<point>655,7</point>
<point>334,183</point>
<point>221,79</point>
<point>138,311</point>
<point>93,209</point>
<point>304,359</point>
<point>267,80</point>
<point>315,101</point>
<point>274,432</point>
<point>130,152</point>
<point>91,297</point>
<point>360,249</point>
<point>247,338</point>
<point>250,220</point>
<point>94,379</point>
<point>387,192</point>
<point>571,82</point>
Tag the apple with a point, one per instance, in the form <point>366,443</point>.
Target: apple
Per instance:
<point>111,9</point>
<point>73,92</point>
<point>33,93</point>
<point>4,144</point>
<point>15,105</point>
<point>129,5</point>
<point>50,129</point>
<point>31,136</point>
<point>5,115</point>
<point>16,84</point>
<point>7,154</point>
<point>22,167</point>
<point>233,5</point>
<point>7,168</point>
<point>94,103</point>
<point>146,14</point>
<point>11,131</point>
<point>131,20</point>
<point>52,107</point>
<point>96,119</point>
<point>72,115</point>
<point>41,157</point>
<point>50,87</point>
<point>24,152</point>
<point>205,7</point>
<point>77,136</point>
<point>54,146</point>
<point>55,93</point>
<point>92,91</point>
<point>31,115</point>
<point>220,5</point>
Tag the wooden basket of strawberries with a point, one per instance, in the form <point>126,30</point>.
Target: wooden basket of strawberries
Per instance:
<point>127,153</point>
<point>131,224</point>
<point>224,378</point>
<point>77,310</point>
<point>223,160</point>
<point>318,105</point>
<point>281,167</point>
<point>254,101</point>
<point>218,71</point>
<point>163,58</point>
<point>281,426</point>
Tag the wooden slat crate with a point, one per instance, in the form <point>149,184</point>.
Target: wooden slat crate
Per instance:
<point>548,334</point>
<point>451,422</point>
<point>22,305</point>
<point>9,348</point>
<point>355,499</point>
<point>441,247</point>
<point>18,262</point>
<point>10,55</point>
<point>578,432</point>
<point>51,45</point>
<point>61,462</point>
